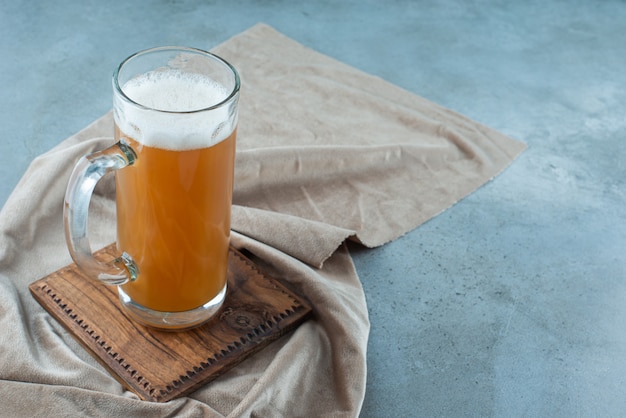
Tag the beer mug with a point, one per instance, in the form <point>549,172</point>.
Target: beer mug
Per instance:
<point>175,112</point>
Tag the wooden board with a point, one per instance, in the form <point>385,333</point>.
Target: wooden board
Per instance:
<point>157,365</point>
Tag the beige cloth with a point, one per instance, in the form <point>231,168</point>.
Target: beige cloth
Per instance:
<point>325,153</point>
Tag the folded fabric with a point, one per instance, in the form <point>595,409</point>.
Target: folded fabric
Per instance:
<point>325,153</point>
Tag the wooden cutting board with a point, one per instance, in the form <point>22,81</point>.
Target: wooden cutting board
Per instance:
<point>157,365</point>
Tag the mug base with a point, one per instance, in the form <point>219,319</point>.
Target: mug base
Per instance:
<point>171,321</point>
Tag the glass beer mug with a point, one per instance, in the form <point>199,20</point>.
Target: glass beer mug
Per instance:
<point>175,112</point>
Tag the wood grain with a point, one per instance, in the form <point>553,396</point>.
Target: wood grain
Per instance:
<point>157,365</point>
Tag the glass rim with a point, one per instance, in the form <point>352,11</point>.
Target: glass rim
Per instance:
<point>118,89</point>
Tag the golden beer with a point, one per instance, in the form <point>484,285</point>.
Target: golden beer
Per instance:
<point>173,202</point>
<point>173,217</point>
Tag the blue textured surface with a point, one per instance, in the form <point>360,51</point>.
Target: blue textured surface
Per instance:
<point>512,302</point>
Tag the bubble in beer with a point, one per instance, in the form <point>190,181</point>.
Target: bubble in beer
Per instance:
<point>172,115</point>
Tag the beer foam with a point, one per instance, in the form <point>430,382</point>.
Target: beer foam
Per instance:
<point>172,115</point>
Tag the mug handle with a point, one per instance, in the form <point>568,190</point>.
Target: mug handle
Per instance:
<point>87,172</point>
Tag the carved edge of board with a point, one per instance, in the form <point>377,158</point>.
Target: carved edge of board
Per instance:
<point>209,369</point>
<point>88,336</point>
